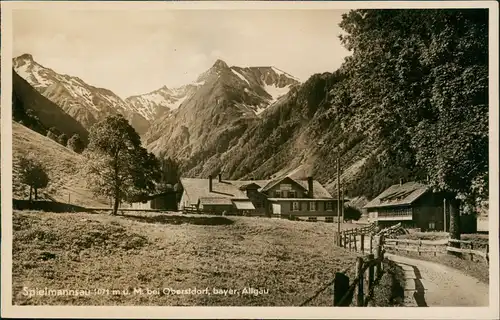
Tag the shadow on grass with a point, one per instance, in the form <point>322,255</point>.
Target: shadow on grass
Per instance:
<point>45,205</point>
<point>167,219</point>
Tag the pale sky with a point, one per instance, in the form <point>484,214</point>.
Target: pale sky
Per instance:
<point>134,52</point>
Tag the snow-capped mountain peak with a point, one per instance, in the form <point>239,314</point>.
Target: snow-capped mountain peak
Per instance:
<point>84,102</point>
<point>259,87</point>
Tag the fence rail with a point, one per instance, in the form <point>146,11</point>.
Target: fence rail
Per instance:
<point>349,236</point>
<point>429,246</point>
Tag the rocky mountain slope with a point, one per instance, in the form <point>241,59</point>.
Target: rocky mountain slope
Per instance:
<point>261,85</point>
<point>33,110</point>
<point>85,103</point>
<point>215,115</point>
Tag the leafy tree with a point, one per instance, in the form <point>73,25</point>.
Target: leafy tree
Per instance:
<point>75,143</point>
<point>63,139</point>
<point>118,166</point>
<point>422,77</point>
<point>170,172</point>
<point>33,174</point>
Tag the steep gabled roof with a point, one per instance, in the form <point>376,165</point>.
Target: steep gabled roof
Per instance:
<point>274,182</point>
<point>318,189</point>
<point>398,195</point>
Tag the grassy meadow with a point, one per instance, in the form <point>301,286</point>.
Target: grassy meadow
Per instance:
<point>287,260</point>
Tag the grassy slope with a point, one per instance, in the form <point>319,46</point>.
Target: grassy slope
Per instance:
<point>63,166</point>
<point>291,259</point>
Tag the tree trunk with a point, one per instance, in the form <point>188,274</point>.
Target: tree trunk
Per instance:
<point>454,225</point>
<point>454,220</point>
<point>115,205</point>
<point>31,193</point>
<point>36,193</point>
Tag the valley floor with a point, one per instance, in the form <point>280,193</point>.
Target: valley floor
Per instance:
<point>99,253</point>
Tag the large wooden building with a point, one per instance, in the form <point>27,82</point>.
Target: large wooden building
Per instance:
<point>282,197</point>
<point>413,204</point>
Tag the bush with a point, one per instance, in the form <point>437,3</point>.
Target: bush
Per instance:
<point>389,290</point>
<point>75,143</point>
<point>63,139</point>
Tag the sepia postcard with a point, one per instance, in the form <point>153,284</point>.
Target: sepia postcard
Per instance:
<point>249,159</point>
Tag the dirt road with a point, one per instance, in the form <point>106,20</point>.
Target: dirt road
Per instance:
<point>431,284</point>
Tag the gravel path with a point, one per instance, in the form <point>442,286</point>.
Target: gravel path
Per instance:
<point>431,284</point>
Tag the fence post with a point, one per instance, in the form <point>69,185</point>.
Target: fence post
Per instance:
<point>359,274</point>
<point>471,254</point>
<point>488,253</point>
<point>355,236</point>
<point>345,240</point>
<point>350,238</point>
<point>419,246</point>
<point>436,249</point>
<point>378,257</point>
<point>381,246</point>
<point>370,272</point>
<point>371,243</point>
<point>362,243</point>
<point>340,288</point>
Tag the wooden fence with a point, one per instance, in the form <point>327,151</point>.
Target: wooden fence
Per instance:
<point>356,292</point>
<point>368,271</point>
<point>427,246</point>
<point>348,238</point>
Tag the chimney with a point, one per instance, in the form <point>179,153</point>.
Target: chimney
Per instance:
<point>220,177</point>
<point>310,187</point>
<point>210,183</point>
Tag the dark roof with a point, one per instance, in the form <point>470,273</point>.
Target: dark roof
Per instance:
<point>250,186</point>
<point>398,195</point>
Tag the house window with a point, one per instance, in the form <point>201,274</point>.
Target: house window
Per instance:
<point>432,225</point>
<point>328,206</point>
<point>277,194</point>
<point>292,194</point>
<point>312,206</point>
<point>295,206</point>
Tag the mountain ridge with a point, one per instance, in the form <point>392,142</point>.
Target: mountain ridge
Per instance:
<point>86,103</point>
